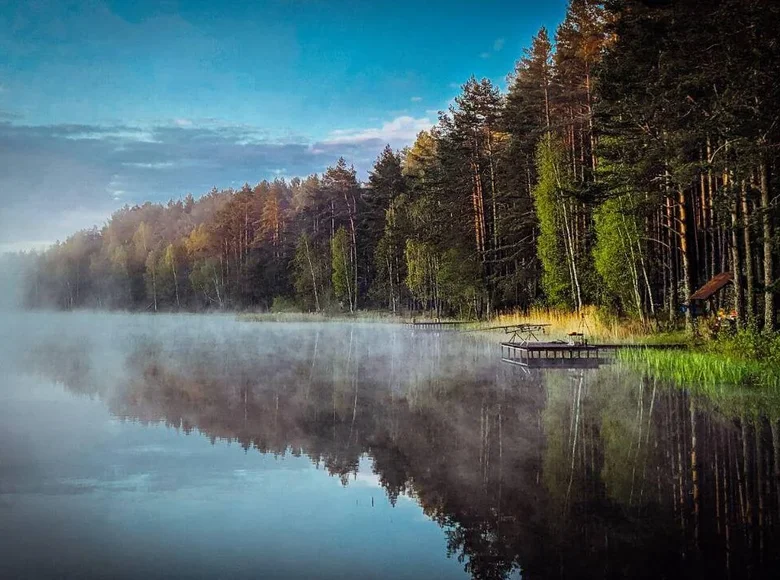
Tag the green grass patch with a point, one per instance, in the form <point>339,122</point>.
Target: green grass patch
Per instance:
<point>739,375</point>
<point>746,359</point>
<point>704,368</point>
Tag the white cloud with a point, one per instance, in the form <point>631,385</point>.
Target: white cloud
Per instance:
<point>416,99</point>
<point>499,44</point>
<point>182,122</point>
<point>97,169</point>
<point>155,165</point>
<point>484,55</point>
<point>400,130</point>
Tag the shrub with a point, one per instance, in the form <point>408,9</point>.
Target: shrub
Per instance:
<point>283,304</point>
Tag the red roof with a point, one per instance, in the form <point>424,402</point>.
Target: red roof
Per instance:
<point>714,285</point>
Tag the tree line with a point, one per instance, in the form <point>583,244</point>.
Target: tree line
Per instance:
<point>633,156</point>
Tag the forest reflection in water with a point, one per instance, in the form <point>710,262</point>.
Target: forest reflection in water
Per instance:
<point>578,473</point>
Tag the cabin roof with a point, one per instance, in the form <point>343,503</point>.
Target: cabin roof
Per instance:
<point>715,284</point>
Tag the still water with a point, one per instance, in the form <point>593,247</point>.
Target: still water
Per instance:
<point>136,446</point>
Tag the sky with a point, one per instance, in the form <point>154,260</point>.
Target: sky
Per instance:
<point>111,102</point>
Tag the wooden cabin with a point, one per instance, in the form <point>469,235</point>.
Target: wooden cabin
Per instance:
<point>704,302</point>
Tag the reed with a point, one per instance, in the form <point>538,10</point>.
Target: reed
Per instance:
<point>738,386</point>
<point>708,369</point>
<point>590,321</point>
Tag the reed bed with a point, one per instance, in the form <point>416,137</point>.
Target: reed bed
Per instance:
<point>589,321</point>
<point>710,369</point>
<point>735,387</point>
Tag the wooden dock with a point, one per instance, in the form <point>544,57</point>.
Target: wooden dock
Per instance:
<point>567,354</point>
<point>437,324</point>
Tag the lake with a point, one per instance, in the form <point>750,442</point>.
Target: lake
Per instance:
<point>193,446</point>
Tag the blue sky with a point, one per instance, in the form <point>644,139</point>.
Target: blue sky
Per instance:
<point>104,102</point>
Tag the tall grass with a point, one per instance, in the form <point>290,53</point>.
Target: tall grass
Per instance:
<point>732,392</point>
<point>708,369</point>
<point>746,358</point>
<point>594,323</point>
<point>739,374</point>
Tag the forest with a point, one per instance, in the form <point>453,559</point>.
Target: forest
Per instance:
<point>633,156</point>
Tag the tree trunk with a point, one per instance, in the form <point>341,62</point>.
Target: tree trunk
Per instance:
<point>736,264</point>
<point>476,202</point>
<point>389,262</point>
<point>711,212</point>
<point>175,280</point>
<point>493,189</point>
<point>216,286</point>
<point>766,223</point>
<point>685,254</point>
<point>154,286</point>
<point>353,253</point>
<point>591,132</point>
<point>750,287</point>
<point>313,277</point>
<point>673,304</point>
<point>572,256</point>
<point>705,227</point>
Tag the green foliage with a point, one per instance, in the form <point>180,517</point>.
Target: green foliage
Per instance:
<point>207,282</point>
<point>548,195</point>
<point>746,360</point>
<point>389,254</point>
<point>310,272</point>
<point>617,250</point>
<point>747,345</point>
<point>422,268</point>
<point>283,304</point>
<point>341,267</point>
<point>458,281</point>
<point>171,275</point>
<point>737,388</point>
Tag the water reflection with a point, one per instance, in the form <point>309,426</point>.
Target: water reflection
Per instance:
<point>589,473</point>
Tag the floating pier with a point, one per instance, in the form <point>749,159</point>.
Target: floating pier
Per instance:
<point>561,354</point>
<point>437,324</point>
<point>552,354</point>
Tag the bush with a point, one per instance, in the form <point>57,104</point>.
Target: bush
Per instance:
<point>282,304</point>
<point>747,345</point>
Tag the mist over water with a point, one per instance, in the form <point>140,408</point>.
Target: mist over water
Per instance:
<point>13,268</point>
<point>192,446</point>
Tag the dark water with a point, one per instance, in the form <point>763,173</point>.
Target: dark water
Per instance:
<point>203,447</point>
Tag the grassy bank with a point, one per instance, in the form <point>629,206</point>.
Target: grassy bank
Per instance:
<point>737,372</point>
<point>595,324</point>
